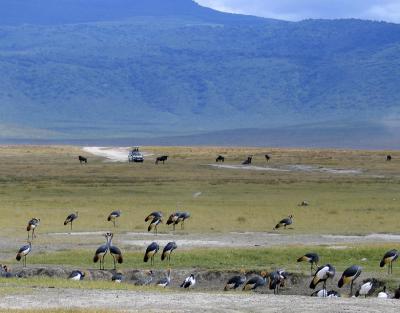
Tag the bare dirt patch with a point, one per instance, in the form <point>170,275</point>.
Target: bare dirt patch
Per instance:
<point>192,301</point>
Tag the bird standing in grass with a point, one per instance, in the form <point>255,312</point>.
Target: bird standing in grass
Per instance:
<point>311,258</point>
<point>166,254</point>
<point>255,282</point>
<point>389,258</point>
<point>349,276</point>
<point>71,218</point>
<point>285,222</point>
<point>153,215</point>
<point>151,250</point>
<point>236,281</point>
<point>114,251</point>
<point>32,225</point>
<point>23,252</point>
<point>189,282</point>
<point>154,223</point>
<point>322,274</point>
<point>76,275</point>
<point>102,251</point>
<point>173,218</point>
<point>182,217</point>
<point>113,216</point>
<point>165,281</point>
<point>364,289</point>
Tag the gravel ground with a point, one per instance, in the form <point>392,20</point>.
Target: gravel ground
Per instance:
<point>134,301</point>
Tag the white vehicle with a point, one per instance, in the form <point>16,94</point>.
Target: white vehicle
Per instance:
<point>135,155</point>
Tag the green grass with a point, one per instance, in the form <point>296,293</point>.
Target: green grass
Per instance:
<point>368,256</point>
<point>49,183</point>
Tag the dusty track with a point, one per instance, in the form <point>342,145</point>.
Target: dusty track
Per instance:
<point>149,301</point>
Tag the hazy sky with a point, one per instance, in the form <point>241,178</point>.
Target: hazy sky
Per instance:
<point>294,10</point>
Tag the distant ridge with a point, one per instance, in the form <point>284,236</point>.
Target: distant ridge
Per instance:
<point>109,69</point>
<point>58,12</point>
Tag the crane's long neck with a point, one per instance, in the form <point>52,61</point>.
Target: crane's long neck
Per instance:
<point>109,238</point>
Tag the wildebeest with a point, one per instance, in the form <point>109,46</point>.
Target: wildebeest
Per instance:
<point>162,158</point>
<point>220,158</point>
<point>388,157</point>
<point>267,157</point>
<point>82,159</point>
<point>248,161</point>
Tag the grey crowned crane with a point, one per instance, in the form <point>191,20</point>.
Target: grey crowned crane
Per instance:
<point>166,254</point>
<point>117,277</point>
<point>76,275</point>
<point>178,217</point>
<point>397,293</point>
<point>349,276</point>
<point>285,222</point>
<point>165,281</point>
<point>364,290</point>
<point>102,251</point>
<point>182,217</point>
<point>153,215</point>
<point>311,258</point>
<point>277,280</point>
<point>322,274</point>
<point>23,252</point>
<point>151,250</point>
<point>114,251</point>
<point>70,218</point>
<point>113,216</point>
<point>255,282</point>
<point>32,225</point>
<point>383,294</point>
<point>5,271</point>
<point>189,282</point>
<point>154,223</point>
<point>172,219</point>
<point>236,281</point>
<point>389,258</point>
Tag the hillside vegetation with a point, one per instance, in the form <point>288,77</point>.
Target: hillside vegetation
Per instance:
<point>147,69</point>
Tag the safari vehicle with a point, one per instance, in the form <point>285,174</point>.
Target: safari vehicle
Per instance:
<point>135,156</point>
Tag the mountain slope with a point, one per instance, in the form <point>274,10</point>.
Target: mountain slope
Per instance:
<point>155,69</point>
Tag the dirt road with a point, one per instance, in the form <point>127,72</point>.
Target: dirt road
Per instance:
<point>152,301</point>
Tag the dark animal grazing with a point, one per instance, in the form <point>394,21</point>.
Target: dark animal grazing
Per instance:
<point>82,159</point>
<point>220,158</point>
<point>248,161</point>
<point>162,159</point>
<point>267,157</point>
<point>389,158</point>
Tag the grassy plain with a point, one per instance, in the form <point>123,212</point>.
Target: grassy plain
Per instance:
<point>49,183</point>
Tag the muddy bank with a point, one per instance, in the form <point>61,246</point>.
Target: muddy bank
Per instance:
<point>206,280</point>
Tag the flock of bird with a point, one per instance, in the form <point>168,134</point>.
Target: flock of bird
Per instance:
<point>275,279</point>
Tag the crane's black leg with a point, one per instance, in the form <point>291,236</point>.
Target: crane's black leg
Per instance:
<point>351,289</point>
<point>115,266</point>
<point>71,226</point>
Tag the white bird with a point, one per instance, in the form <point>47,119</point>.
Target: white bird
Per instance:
<point>364,289</point>
<point>189,282</point>
<point>383,294</point>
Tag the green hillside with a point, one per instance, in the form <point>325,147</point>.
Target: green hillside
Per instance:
<point>175,75</point>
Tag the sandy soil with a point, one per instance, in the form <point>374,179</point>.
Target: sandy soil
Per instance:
<point>191,301</point>
<point>290,168</point>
